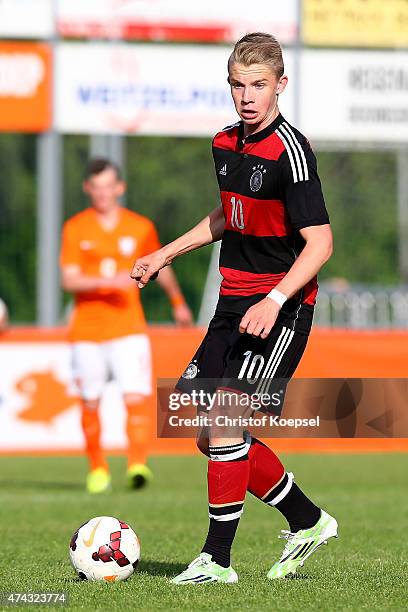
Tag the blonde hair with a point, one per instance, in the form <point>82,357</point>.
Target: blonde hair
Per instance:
<point>258,48</point>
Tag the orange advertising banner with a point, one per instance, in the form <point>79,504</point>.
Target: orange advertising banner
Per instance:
<point>40,413</point>
<point>25,87</point>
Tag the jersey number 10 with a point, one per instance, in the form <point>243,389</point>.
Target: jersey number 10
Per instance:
<point>237,214</point>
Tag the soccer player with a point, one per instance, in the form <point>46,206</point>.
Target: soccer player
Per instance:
<point>108,328</point>
<point>275,236</point>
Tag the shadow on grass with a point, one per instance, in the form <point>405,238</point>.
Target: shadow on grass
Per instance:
<point>153,568</point>
<point>160,568</point>
<point>41,485</point>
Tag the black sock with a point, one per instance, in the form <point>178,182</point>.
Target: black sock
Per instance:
<point>299,510</point>
<point>219,540</point>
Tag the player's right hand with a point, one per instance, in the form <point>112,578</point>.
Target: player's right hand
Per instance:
<point>147,268</point>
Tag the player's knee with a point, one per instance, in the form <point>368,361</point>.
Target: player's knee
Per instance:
<point>131,399</point>
<point>90,404</point>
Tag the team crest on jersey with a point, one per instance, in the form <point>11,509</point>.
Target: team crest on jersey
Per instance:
<point>127,245</point>
<point>255,182</point>
<point>191,371</point>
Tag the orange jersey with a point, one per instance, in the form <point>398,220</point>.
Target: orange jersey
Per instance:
<point>105,314</point>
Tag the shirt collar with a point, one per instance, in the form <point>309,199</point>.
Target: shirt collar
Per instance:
<point>258,136</point>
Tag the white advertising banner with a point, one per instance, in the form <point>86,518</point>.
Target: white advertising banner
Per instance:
<point>26,18</point>
<point>146,89</point>
<point>39,409</point>
<point>355,95</point>
<point>176,20</point>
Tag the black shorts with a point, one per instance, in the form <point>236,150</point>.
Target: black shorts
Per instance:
<point>228,359</point>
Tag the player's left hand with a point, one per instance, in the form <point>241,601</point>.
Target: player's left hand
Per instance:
<point>260,318</point>
<point>182,315</point>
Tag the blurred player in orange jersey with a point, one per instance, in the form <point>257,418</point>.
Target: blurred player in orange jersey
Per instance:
<point>108,327</point>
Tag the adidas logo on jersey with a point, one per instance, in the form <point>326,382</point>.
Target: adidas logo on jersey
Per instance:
<point>223,170</point>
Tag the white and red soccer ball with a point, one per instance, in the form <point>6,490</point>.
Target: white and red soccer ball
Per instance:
<point>104,548</point>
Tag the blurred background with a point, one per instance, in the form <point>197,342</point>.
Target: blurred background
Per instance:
<point>144,82</point>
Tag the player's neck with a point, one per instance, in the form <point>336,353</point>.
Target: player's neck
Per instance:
<point>109,219</point>
<point>254,129</point>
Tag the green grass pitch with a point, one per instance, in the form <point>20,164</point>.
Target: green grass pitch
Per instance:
<point>42,501</point>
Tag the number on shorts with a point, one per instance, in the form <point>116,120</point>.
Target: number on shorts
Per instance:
<point>249,365</point>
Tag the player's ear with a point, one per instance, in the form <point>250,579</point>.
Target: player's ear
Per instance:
<point>85,186</point>
<point>121,188</point>
<point>283,81</point>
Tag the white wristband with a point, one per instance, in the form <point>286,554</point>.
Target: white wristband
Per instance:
<point>277,296</point>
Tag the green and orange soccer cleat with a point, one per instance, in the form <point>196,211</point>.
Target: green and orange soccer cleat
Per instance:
<point>98,481</point>
<point>203,570</point>
<point>138,475</point>
<point>302,544</point>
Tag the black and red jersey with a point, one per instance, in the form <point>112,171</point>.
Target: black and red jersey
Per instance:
<point>270,190</point>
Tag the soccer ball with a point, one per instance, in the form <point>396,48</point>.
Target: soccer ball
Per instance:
<point>104,548</point>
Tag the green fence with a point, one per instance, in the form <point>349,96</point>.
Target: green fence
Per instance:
<point>172,181</point>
